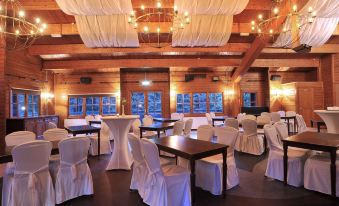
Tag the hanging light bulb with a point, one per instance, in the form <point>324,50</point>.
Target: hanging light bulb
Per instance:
<point>271,31</point>
<point>259,31</point>
<point>295,8</point>
<point>253,22</point>
<point>276,10</point>
<point>142,7</point>
<point>146,29</point>
<point>159,5</point>
<point>310,9</point>
<point>37,20</point>
<point>260,17</point>
<point>21,14</point>
<point>186,13</point>
<point>158,30</point>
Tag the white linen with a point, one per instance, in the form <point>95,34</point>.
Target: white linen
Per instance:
<point>188,127</point>
<point>29,183</point>
<point>209,170</point>
<point>275,167</point>
<point>231,122</point>
<point>331,119</point>
<point>262,120</point>
<point>209,118</point>
<point>107,31</point>
<point>73,176</point>
<point>176,116</point>
<point>105,145</point>
<point>211,7</point>
<point>20,137</point>
<point>135,127</point>
<point>95,7</point>
<point>119,126</point>
<point>165,186</point>
<point>281,129</point>
<point>204,31</point>
<point>55,134</point>
<point>140,169</point>
<point>251,142</point>
<point>275,117</point>
<point>178,127</point>
<point>317,175</point>
<point>205,132</point>
<point>51,125</point>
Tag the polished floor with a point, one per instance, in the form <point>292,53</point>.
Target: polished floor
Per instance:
<point>112,188</point>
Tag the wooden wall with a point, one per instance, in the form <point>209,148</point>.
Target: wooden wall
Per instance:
<point>3,103</point>
<point>336,79</point>
<point>69,84</point>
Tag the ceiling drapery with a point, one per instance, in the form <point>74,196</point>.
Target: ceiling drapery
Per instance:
<point>211,22</point>
<point>102,23</point>
<point>317,33</point>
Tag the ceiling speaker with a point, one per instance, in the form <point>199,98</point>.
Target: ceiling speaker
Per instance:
<point>85,80</point>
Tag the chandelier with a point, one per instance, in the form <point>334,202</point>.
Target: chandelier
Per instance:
<point>156,24</point>
<point>16,32</point>
<point>271,26</point>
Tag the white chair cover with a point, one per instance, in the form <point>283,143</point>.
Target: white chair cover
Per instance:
<point>140,169</point>
<point>275,117</point>
<point>209,170</point>
<point>240,117</point>
<point>105,145</point>
<point>209,118</point>
<point>73,177</point>
<point>290,113</point>
<point>51,125</point>
<point>231,122</point>
<point>135,127</point>
<point>317,174</point>
<point>30,182</point>
<point>148,120</point>
<point>265,114</point>
<point>55,134</point>
<point>165,186</point>
<point>282,113</point>
<point>89,118</point>
<point>249,116</point>
<point>182,115</point>
<point>19,137</point>
<point>212,114</point>
<point>178,127</point>
<point>205,132</point>
<point>301,124</point>
<point>251,142</point>
<point>175,116</point>
<point>275,167</point>
<point>188,127</point>
<point>282,130</point>
<point>262,120</point>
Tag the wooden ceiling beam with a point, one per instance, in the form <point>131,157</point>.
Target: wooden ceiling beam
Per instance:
<point>286,63</point>
<point>144,48</point>
<point>325,49</point>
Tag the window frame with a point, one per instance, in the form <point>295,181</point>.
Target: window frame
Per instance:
<point>26,93</point>
<point>215,102</point>
<point>200,102</point>
<point>256,98</point>
<point>183,103</point>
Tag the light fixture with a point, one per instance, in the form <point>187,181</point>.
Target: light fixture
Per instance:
<point>16,32</point>
<point>157,36</point>
<point>145,82</point>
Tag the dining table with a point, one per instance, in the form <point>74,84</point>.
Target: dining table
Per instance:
<point>288,119</point>
<point>157,127</point>
<point>166,120</point>
<point>218,119</point>
<point>325,142</point>
<point>192,150</point>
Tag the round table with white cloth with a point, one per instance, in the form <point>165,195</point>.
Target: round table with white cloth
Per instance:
<point>331,119</point>
<point>119,126</point>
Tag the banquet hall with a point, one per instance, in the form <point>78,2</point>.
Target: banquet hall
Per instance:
<point>169,102</point>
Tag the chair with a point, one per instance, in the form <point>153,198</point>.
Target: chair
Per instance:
<point>140,169</point>
<point>178,127</point>
<point>182,116</point>
<point>209,170</point>
<point>19,137</point>
<point>135,126</point>
<point>30,182</point>
<point>73,176</point>
<point>317,175</point>
<point>51,125</point>
<point>188,127</point>
<point>105,145</point>
<point>168,185</point>
<point>55,134</point>
<point>262,120</point>
<point>231,122</point>
<point>275,117</point>
<point>302,127</point>
<point>251,143</point>
<point>282,113</point>
<point>249,116</point>
<point>176,116</point>
<point>209,118</point>
<point>291,114</point>
<point>281,129</point>
<point>265,114</point>
<point>240,117</point>
<point>275,167</point>
<point>89,118</point>
<point>212,114</point>
<point>205,132</point>
<point>148,120</point>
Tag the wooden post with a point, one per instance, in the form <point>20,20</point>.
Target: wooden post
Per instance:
<point>3,98</point>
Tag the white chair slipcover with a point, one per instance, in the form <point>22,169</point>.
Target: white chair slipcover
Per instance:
<point>209,170</point>
<point>282,113</point>
<point>55,134</point>
<point>30,182</point>
<point>178,127</point>
<point>175,116</point>
<point>275,117</point>
<point>317,176</point>
<point>19,137</point>
<point>140,169</point>
<point>262,120</point>
<point>291,114</point>
<point>302,127</point>
<point>168,185</point>
<point>188,127</point>
<point>209,118</point>
<point>275,164</point>
<point>249,116</point>
<point>231,122</point>
<point>73,176</point>
<point>240,117</point>
<point>266,114</point>
<point>89,118</point>
<point>251,142</point>
<point>148,120</point>
<point>212,114</point>
<point>105,145</point>
<point>51,125</point>
<point>205,132</point>
<point>281,129</point>
<point>135,127</point>
<point>182,115</point>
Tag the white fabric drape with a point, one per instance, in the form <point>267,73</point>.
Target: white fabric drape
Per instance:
<point>211,7</point>
<point>204,30</point>
<point>317,33</point>
<point>95,7</point>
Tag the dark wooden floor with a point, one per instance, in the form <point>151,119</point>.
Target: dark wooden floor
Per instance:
<point>112,188</point>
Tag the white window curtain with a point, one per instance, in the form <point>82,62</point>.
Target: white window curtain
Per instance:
<point>317,33</point>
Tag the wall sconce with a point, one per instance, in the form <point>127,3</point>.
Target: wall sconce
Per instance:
<point>229,93</point>
<point>276,92</point>
<point>64,97</point>
<point>173,93</point>
<point>289,92</point>
<point>47,95</point>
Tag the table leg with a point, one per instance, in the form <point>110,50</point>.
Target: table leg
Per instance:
<point>192,164</point>
<point>285,162</point>
<point>288,126</point>
<point>318,127</point>
<point>158,133</point>
<point>333,173</point>
<point>224,173</point>
<point>140,133</point>
<point>99,143</point>
<point>212,122</point>
<point>295,125</point>
<point>74,134</point>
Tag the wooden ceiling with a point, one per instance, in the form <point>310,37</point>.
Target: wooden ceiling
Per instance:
<point>242,52</point>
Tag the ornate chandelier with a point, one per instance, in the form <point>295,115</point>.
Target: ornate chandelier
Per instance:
<point>16,32</point>
<point>152,23</point>
<point>276,23</point>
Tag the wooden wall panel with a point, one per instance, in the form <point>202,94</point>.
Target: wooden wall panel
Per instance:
<point>3,103</point>
<point>327,77</point>
<point>69,84</point>
<point>336,79</point>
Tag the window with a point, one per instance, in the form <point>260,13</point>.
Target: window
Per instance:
<point>25,103</point>
<point>154,104</point>
<point>109,105</point>
<point>199,103</point>
<point>75,106</point>
<point>249,99</point>
<point>92,105</point>
<point>138,104</point>
<point>183,103</point>
<point>215,102</point>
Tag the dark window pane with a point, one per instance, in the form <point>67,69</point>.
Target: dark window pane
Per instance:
<point>14,110</point>
<point>14,99</point>
<point>72,101</point>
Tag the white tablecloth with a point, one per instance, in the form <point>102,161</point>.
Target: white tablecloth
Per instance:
<point>331,119</point>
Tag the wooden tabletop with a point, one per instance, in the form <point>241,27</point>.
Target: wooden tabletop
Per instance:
<point>219,118</point>
<point>82,128</point>
<point>289,117</point>
<point>315,138</point>
<point>165,120</point>
<point>157,125</point>
<point>188,147</point>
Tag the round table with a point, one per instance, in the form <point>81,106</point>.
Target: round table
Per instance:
<point>331,119</point>
<point>119,126</point>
